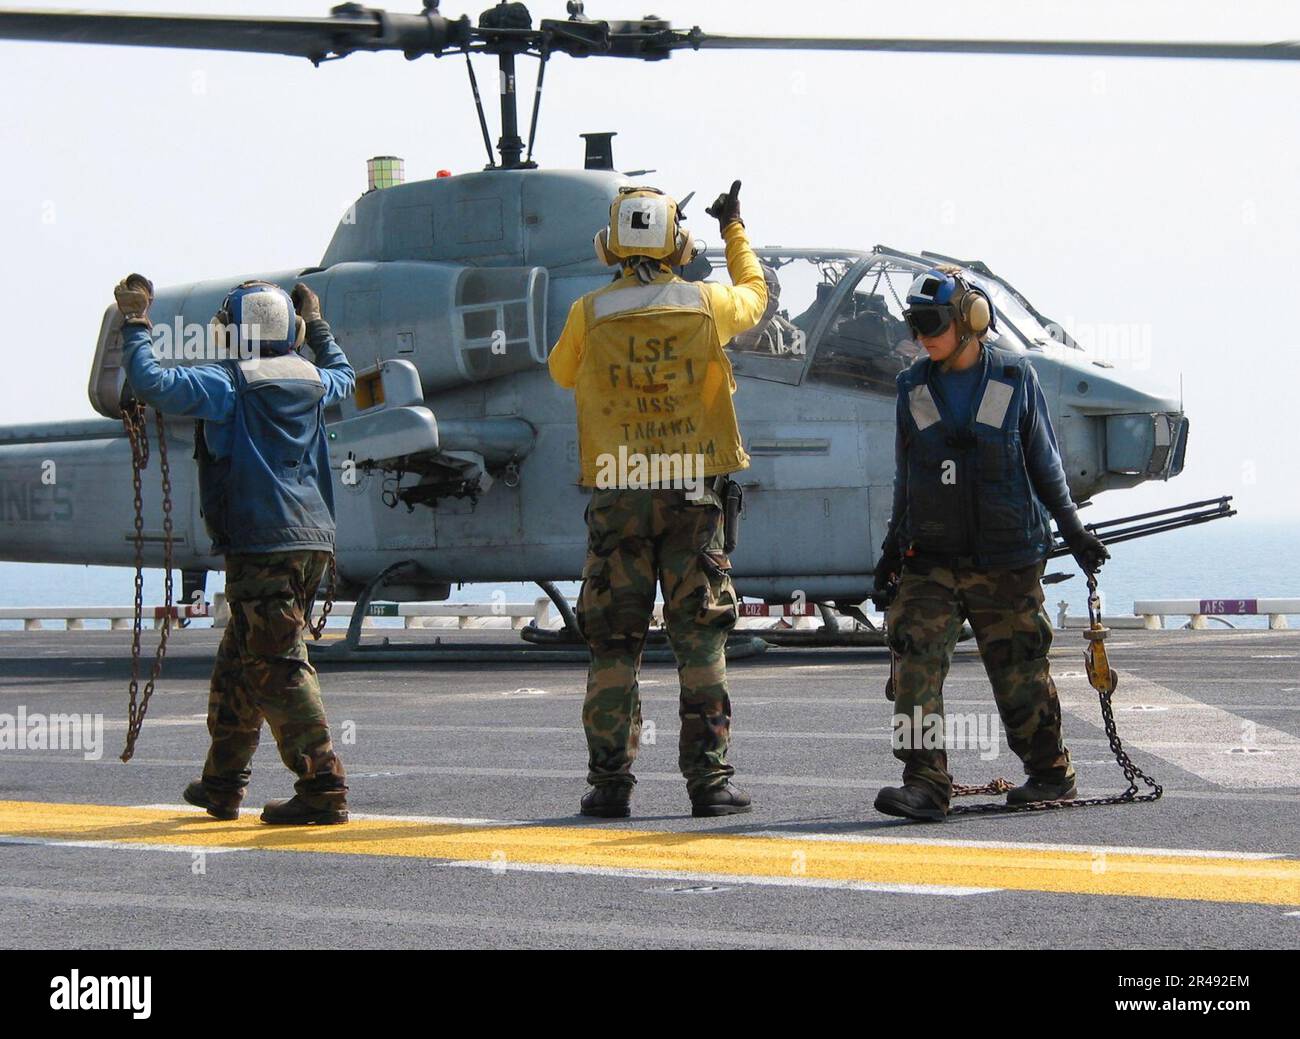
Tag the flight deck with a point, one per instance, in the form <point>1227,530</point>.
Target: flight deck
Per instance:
<point>465,782</point>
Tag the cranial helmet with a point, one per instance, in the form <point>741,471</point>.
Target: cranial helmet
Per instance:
<point>644,222</point>
<point>944,287</point>
<point>260,317</point>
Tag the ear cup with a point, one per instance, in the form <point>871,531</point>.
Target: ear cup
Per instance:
<point>685,249</point>
<point>220,337</point>
<point>975,311</point>
<point>601,245</point>
<point>220,325</point>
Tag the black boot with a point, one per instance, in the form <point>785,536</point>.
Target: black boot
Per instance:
<point>910,802</point>
<point>1043,788</point>
<point>297,812</point>
<point>197,794</point>
<point>607,801</point>
<point>721,800</point>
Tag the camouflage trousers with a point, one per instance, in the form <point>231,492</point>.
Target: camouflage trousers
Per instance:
<point>262,672</point>
<point>1004,607</point>
<point>637,538</point>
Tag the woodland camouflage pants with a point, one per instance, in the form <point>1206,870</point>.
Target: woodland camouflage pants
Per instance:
<point>1004,608</point>
<point>635,539</point>
<point>262,672</point>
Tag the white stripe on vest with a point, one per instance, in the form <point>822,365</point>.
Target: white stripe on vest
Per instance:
<point>993,408</point>
<point>670,295</point>
<point>925,413</point>
<point>283,367</point>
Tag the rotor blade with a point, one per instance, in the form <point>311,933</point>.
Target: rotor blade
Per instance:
<point>314,38</point>
<point>1285,50</point>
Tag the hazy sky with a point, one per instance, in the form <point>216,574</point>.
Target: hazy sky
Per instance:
<point>1156,196</point>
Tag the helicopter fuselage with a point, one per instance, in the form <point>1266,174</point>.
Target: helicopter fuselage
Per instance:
<point>459,454</point>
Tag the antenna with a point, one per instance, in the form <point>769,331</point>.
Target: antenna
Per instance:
<point>600,150</point>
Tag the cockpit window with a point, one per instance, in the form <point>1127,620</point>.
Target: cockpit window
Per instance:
<point>799,287</point>
<point>867,342</point>
<point>1017,328</point>
<point>864,343</point>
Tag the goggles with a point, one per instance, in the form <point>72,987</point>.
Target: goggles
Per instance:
<point>928,319</point>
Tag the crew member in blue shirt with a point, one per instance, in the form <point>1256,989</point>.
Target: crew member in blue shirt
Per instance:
<point>978,479</point>
<point>268,501</point>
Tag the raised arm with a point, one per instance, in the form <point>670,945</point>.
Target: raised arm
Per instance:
<point>737,307</point>
<point>204,391</point>
<point>336,373</point>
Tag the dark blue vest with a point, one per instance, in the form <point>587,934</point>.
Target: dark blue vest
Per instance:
<point>274,492</point>
<point>969,497</point>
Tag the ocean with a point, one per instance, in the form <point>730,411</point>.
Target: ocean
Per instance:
<point>1226,559</point>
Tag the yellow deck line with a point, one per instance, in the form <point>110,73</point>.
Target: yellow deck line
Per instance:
<point>1183,877</point>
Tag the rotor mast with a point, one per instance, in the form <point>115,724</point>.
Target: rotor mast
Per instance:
<point>511,145</point>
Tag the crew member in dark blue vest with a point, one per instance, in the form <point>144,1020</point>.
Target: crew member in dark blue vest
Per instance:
<point>978,481</point>
<point>268,502</point>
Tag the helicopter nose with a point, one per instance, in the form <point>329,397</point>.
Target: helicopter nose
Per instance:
<point>1139,435</point>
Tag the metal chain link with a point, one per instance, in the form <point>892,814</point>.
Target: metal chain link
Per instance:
<point>993,786</point>
<point>137,433</point>
<point>1105,686</point>
<point>317,628</point>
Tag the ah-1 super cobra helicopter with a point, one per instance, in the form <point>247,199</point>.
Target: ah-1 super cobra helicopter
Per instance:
<point>447,295</point>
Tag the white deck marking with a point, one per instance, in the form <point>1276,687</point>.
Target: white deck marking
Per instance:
<point>1207,741</point>
<point>729,879</point>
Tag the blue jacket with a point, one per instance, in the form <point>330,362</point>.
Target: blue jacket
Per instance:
<point>264,475</point>
<point>983,495</point>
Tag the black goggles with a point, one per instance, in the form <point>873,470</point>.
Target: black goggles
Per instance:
<point>928,319</point>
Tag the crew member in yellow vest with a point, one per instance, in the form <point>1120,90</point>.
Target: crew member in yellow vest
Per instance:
<point>657,435</point>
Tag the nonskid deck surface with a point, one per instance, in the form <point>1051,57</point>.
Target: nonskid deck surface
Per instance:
<point>465,780</point>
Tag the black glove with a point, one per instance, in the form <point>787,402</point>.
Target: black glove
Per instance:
<point>1087,549</point>
<point>134,293</point>
<point>726,207</point>
<point>888,571</point>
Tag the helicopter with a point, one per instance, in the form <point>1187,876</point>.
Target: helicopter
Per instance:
<point>456,459</point>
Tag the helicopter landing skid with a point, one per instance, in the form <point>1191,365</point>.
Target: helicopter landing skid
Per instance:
<point>821,638</point>
<point>831,634</point>
<point>657,650</point>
